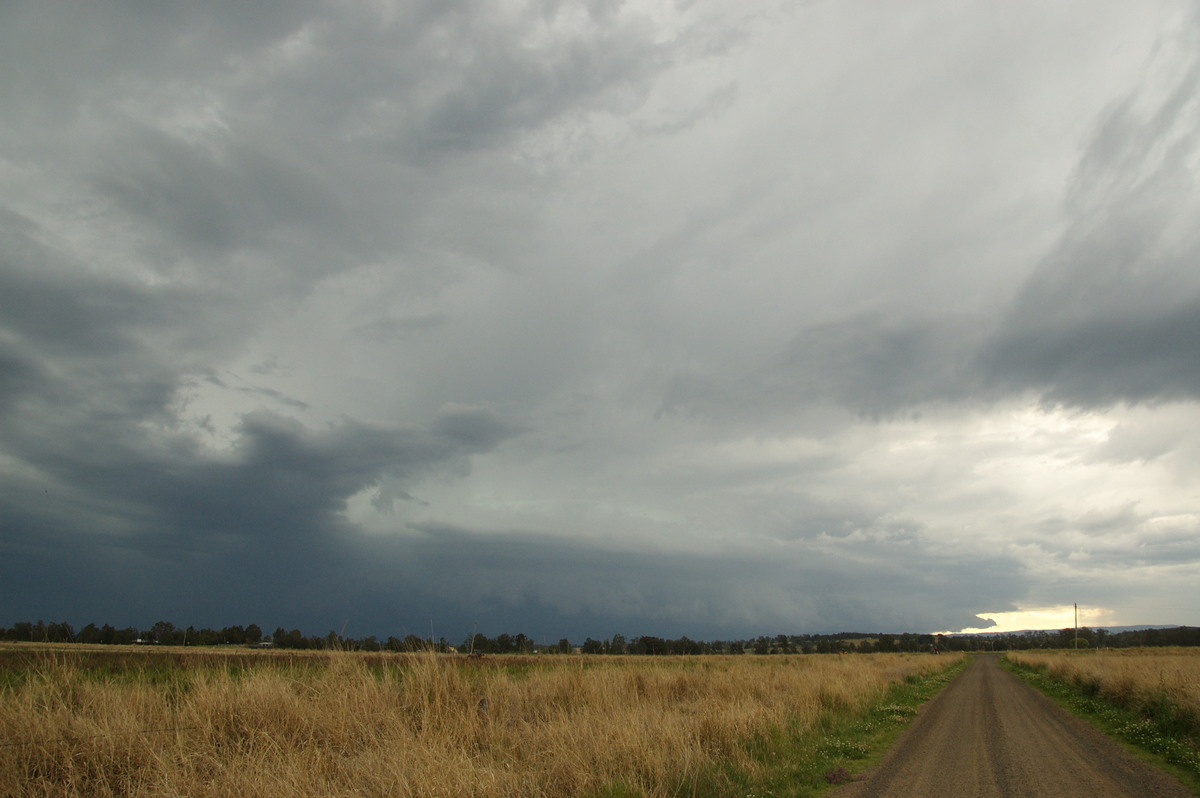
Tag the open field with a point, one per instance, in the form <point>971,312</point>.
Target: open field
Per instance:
<point>1155,690</point>
<point>173,722</point>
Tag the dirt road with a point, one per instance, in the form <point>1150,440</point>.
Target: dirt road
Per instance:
<point>988,735</point>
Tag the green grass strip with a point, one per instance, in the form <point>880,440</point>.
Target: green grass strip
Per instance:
<point>1152,736</point>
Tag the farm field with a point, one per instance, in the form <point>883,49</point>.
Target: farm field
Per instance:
<point>155,722</point>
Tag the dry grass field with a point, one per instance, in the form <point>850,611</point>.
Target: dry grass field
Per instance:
<point>75,722</point>
<point>1159,687</point>
<point>1128,677</point>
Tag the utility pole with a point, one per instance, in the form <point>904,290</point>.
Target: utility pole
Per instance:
<point>1077,626</point>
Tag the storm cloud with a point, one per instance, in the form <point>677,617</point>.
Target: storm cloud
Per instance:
<point>583,318</point>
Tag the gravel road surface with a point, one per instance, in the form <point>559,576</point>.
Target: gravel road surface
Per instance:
<point>988,735</point>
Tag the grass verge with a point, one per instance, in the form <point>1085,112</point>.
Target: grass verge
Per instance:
<point>1148,736</point>
<point>799,761</point>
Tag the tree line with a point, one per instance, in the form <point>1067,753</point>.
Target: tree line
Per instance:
<point>166,633</point>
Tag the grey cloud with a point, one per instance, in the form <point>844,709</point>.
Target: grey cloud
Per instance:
<point>1144,441</point>
<point>215,203</point>
<point>504,89</point>
<point>281,480</point>
<point>393,328</point>
<point>95,352</point>
<point>94,367</point>
<point>508,234</point>
<point>1113,314</point>
<point>285,482</point>
<point>1094,542</point>
<point>472,428</point>
<point>279,141</point>
<point>423,80</point>
<point>48,301</point>
<point>1110,314</point>
<point>65,82</point>
<point>504,577</point>
<point>269,511</point>
<point>1103,360</point>
<point>278,396</point>
<point>874,367</point>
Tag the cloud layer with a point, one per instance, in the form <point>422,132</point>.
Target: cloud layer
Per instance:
<point>576,318</point>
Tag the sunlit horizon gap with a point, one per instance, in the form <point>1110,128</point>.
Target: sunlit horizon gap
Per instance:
<point>1040,618</point>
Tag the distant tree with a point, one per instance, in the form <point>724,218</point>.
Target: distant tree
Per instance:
<point>617,645</point>
<point>89,634</point>
<point>1181,636</point>
<point>564,646</point>
<point>126,636</point>
<point>293,639</point>
<point>59,633</point>
<point>21,630</point>
<point>163,633</point>
<point>591,646</point>
<point>234,635</point>
<point>203,637</point>
<point>478,643</point>
<point>648,645</point>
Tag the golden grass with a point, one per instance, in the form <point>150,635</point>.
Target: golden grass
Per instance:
<point>1153,681</point>
<point>407,725</point>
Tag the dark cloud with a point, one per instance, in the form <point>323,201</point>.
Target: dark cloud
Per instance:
<point>1113,314</point>
<point>875,366</point>
<point>88,356</point>
<point>505,579</point>
<point>263,519</point>
<point>280,482</point>
<point>1104,360</point>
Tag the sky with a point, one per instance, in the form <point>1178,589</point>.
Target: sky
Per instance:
<point>573,318</point>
